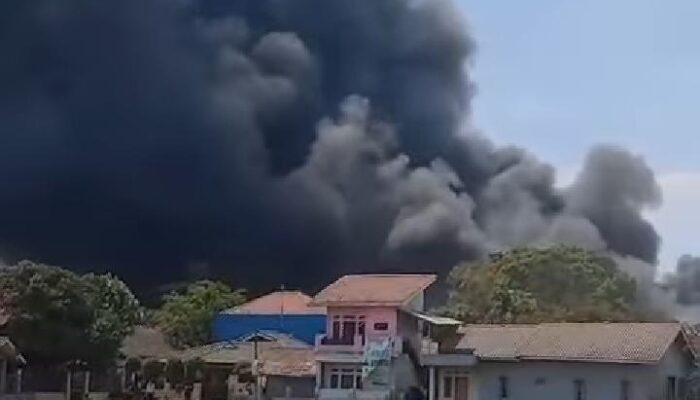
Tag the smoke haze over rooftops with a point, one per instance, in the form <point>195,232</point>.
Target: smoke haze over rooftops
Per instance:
<point>274,142</point>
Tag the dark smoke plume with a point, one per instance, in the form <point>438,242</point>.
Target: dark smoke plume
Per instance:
<point>273,142</point>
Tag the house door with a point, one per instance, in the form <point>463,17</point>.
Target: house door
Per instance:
<point>461,388</point>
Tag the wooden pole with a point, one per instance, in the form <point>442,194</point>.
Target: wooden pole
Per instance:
<point>18,383</point>
<point>86,385</point>
<point>3,377</point>
<point>69,380</point>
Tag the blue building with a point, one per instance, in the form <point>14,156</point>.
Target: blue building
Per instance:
<point>282,311</point>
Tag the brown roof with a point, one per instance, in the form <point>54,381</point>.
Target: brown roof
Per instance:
<point>281,302</point>
<point>640,343</point>
<point>148,343</point>
<point>280,358</point>
<point>385,290</point>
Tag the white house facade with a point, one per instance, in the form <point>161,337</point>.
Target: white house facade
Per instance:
<point>563,362</point>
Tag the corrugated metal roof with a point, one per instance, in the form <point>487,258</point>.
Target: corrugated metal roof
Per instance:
<point>434,319</point>
<point>280,302</point>
<point>377,289</point>
<point>643,343</point>
<point>277,358</point>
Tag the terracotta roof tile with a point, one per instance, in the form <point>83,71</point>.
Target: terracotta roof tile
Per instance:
<point>389,289</point>
<point>287,302</point>
<point>594,342</point>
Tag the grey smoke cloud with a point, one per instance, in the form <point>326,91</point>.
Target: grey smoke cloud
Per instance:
<point>274,142</point>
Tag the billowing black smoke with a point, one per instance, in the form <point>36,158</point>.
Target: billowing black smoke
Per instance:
<point>273,142</point>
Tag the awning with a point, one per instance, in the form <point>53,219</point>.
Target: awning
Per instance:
<point>434,319</point>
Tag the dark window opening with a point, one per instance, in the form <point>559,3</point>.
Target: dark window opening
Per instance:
<point>346,381</point>
<point>671,388</point>
<point>503,387</point>
<point>447,387</point>
<point>625,390</point>
<point>381,326</point>
<point>579,389</point>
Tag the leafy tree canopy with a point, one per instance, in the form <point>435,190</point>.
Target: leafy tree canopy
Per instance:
<point>58,317</point>
<point>187,317</point>
<point>528,285</point>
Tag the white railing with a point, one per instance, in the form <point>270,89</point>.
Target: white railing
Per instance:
<point>325,344</point>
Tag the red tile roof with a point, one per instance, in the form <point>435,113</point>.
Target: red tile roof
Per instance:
<point>280,302</point>
<point>635,343</point>
<point>374,290</point>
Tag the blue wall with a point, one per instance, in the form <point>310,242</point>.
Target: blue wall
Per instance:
<point>302,327</point>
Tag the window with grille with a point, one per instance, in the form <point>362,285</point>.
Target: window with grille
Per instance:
<point>345,378</point>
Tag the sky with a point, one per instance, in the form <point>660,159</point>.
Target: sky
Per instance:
<point>558,76</point>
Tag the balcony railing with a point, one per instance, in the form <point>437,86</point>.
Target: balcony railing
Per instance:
<point>355,344</point>
<point>341,341</point>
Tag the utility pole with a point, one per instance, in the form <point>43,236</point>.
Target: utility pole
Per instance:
<point>282,289</point>
<point>256,369</point>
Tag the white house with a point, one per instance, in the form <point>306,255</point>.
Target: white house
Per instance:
<point>566,361</point>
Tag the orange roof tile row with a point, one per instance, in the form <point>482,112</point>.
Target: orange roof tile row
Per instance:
<point>373,290</point>
<point>280,302</point>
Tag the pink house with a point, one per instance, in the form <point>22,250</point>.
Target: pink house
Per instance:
<point>372,344</point>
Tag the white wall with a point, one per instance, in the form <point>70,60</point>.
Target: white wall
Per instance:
<point>603,381</point>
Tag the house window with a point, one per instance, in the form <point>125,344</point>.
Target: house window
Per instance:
<point>671,388</point>
<point>345,378</point>
<point>503,387</point>
<point>345,327</point>
<point>579,389</point>
<point>381,326</point>
<point>447,387</point>
<point>624,389</point>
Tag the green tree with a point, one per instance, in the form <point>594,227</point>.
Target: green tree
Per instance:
<point>116,309</point>
<point>57,317</point>
<point>560,283</point>
<point>186,318</point>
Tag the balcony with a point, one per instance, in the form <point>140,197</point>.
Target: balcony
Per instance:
<point>352,349</point>
<point>327,344</point>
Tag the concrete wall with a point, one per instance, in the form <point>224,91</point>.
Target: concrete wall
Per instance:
<point>529,380</point>
<point>303,327</point>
